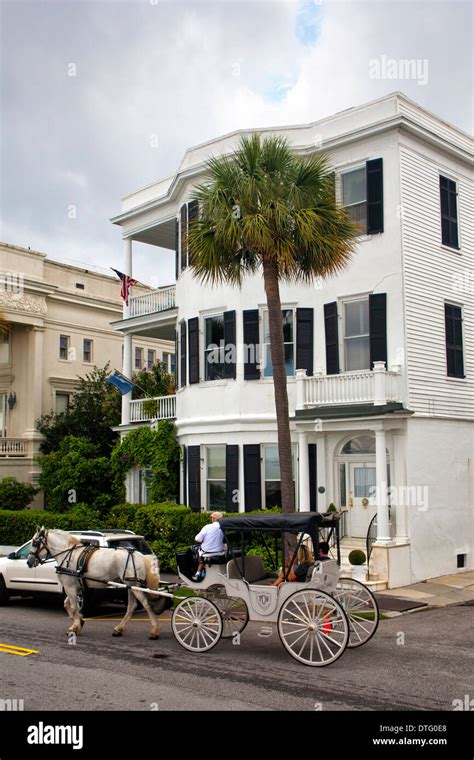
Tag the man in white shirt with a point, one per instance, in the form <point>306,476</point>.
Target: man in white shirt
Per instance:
<point>211,539</point>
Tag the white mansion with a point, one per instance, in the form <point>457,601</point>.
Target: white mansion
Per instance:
<point>380,358</point>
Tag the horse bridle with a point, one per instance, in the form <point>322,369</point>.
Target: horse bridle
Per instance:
<point>39,542</point>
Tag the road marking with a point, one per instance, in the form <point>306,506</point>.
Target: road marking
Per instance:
<point>20,651</point>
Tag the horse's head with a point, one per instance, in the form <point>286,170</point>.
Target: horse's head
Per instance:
<point>39,548</point>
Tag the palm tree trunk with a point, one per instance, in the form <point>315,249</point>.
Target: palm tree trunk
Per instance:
<point>270,276</point>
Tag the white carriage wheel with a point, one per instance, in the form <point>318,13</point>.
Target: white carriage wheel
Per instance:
<point>361,609</point>
<point>313,627</point>
<point>235,614</point>
<point>197,624</point>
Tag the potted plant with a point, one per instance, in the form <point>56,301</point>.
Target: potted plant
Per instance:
<point>357,560</point>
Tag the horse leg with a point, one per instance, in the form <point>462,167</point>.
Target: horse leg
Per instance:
<point>155,625</point>
<point>71,607</point>
<point>131,607</point>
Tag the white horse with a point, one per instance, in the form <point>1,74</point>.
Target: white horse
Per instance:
<point>106,564</point>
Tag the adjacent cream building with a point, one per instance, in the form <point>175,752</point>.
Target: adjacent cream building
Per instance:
<point>58,319</point>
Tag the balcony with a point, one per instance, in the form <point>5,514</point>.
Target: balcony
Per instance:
<point>153,409</point>
<point>13,447</point>
<point>378,387</point>
<point>154,302</point>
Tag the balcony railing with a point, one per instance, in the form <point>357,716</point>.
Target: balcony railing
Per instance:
<point>151,303</point>
<point>377,387</point>
<point>13,447</point>
<point>147,409</point>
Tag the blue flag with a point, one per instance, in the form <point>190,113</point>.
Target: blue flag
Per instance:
<point>120,382</point>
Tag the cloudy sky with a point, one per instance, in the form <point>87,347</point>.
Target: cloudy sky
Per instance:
<point>101,98</point>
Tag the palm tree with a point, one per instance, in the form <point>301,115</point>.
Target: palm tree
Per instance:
<point>263,208</point>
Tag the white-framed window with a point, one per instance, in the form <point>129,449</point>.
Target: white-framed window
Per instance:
<point>356,335</point>
<point>61,402</point>
<point>138,358</point>
<point>150,358</point>
<point>216,477</point>
<point>288,317</point>
<point>214,347</point>
<point>87,351</point>
<point>64,344</point>
<point>271,474</point>
<point>145,476</point>
<point>354,195</point>
<point>3,415</point>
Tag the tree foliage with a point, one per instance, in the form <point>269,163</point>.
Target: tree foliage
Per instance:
<point>15,495</point>
<point>156,450</point>
<point>77,472</point>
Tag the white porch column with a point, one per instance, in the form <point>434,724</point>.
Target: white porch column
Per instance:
<point>400,482</point>
<point>127,269</point>
<point>383,531</point>
<point>127,371</point>
<point>380,393</point>
<point>127,339</point>
<point>241,479</point>
<point>321,471</point>
<point>303,457</point>
<point>33,397</point>
<point>300,375</point>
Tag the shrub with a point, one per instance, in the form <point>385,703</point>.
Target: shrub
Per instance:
<point>76,471</point>
<point>16,495</point>
<point>357,557</point>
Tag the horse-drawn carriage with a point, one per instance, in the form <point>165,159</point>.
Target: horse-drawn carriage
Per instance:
<point>317,616</point>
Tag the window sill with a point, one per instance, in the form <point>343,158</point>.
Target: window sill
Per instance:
<point>451,248</point>
<point>456,379</point>
<point>211,383</point>
<point>66,361</point>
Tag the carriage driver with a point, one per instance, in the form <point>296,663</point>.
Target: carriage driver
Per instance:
<point>211,539</point>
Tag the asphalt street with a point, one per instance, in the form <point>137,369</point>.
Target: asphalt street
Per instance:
<point>417,661</point>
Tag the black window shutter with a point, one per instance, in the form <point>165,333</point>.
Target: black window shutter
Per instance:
<point>454,346</point>
<point>374,196</point>
<point>184,232</point>
<point>304,340</point>
<point>449,212</point>
<point>332,339</point>
<point>232,478</point>
<point>193,341</point>
<point>378,328</point>
<point>194,476</point>
<point>230,345</point>
<point>184,498</point>
<point>313,481</point>
<point>251,344</point>
<point>252,477</point>
<point>182,355</point>
<point>193,208</point>
<point>176,344</point>
<point>176,246</point>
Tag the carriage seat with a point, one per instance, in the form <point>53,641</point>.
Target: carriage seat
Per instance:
<point>216,559</point>
<point>254,571</point>
<point>325,574</point>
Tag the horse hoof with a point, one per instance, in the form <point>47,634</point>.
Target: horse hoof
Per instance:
<point>154,636</point>
<point>82,623</point>
<point>116,633</point>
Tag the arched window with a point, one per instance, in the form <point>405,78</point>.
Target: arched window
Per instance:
<point>361,444</point>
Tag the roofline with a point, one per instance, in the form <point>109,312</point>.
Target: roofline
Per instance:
<point>397,120</point>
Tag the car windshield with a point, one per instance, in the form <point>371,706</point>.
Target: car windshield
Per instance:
<point>139,544</point>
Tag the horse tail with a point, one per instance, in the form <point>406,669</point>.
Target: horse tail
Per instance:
<point>152,571</point>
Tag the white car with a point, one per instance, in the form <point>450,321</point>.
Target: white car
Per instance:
<point>17,579</point>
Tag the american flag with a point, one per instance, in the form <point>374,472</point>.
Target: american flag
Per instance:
<point>127,283</point>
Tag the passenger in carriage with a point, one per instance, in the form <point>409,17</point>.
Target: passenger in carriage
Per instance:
<point>211,539</point>
<point>323,548</point>
<point>304,560</point>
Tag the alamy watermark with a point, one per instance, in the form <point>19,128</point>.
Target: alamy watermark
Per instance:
<point>400,496</point>
<point>384,67</point>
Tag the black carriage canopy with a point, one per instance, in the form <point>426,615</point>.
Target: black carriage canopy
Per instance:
<point>294,522</point>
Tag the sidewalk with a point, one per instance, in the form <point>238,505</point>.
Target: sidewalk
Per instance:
<point>436,592</point>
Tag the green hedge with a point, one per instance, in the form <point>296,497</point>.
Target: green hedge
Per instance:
<point>167,527</point>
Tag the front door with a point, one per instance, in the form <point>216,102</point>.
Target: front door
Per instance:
<point>361,506</point>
